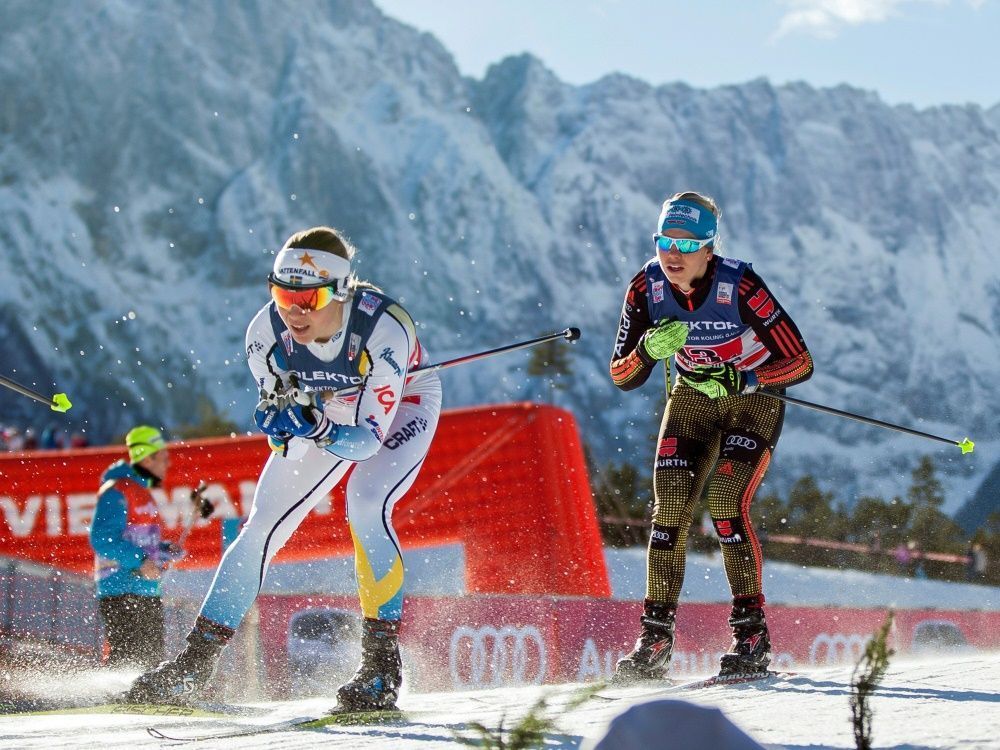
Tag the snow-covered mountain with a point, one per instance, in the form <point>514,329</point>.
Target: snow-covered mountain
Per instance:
<point>154,156</point>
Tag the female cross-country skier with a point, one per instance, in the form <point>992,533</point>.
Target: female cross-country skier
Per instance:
<point>323,329</point>
<point>728,337</point>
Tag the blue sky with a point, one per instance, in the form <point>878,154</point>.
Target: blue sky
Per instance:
<point>923,52</point>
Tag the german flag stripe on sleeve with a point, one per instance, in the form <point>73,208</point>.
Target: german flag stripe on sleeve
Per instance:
<point>787,340</point>
<point>626,368</point>
<point>785,372</point>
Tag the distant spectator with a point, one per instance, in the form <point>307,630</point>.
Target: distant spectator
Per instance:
<point>916,567</point>
<point>707,528</point>
<point>78,440</point>
<point>976,568</point>
<point>903,558</point>
<point>51,439</point>
<point>14,439</point>
<point>30,440</point>
<point>877,542</point>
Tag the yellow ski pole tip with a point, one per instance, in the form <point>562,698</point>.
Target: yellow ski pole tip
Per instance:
<point>967,446</point>
<point>61,403</point>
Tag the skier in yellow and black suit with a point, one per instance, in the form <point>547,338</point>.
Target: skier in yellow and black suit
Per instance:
<point>728,336</point>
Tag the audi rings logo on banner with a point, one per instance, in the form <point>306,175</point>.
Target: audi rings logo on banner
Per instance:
<point>492,657</point>
<point>741,441</point>
<point>837,648</point>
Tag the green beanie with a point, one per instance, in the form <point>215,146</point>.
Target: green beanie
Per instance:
<point>143,441</point>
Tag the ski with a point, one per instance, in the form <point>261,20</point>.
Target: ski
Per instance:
<point>335,718</point>
<point>196,710</point>
<point>652,689</point>
<point>732,679</point>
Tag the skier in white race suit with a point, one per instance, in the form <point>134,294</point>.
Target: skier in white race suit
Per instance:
<point>323,329</point>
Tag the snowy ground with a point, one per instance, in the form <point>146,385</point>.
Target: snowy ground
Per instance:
<point>437,571</point>
<point>920,706</point>
<point>799,586</point>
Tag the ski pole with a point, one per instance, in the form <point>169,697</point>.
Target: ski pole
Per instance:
<point>570,334</point>
<point>966,445</point>
<point>59,402</point>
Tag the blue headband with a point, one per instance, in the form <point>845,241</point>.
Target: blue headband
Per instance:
<point>688,215</point>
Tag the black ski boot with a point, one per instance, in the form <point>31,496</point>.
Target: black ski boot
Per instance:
<point>650,658</point>
<point>179,680</point>
<point>751,649</point>
<point>375,686</point>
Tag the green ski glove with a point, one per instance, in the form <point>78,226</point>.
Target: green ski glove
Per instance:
<point>720,381</point>
<point>665,340</point>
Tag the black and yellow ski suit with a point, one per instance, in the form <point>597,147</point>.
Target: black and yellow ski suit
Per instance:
<point>727,442</point>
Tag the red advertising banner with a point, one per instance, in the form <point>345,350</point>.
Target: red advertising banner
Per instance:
<point>492,641</point>
<point>507,479</point>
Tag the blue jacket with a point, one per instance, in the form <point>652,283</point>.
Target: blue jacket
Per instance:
<point>125,532</point>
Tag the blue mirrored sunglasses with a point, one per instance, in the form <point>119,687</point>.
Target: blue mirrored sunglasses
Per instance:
<point>663,244</point>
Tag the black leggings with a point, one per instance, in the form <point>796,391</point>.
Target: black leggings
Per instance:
<point>134,629</point>
<point>728,443</point>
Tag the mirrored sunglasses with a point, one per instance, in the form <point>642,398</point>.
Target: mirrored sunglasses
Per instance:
<point>664,243</point>
<point>307,298</point>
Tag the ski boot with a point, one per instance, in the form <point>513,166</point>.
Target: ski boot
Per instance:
<point>751,650</point>
<point>179,680</point>
<point>375,686</point>
<point>650,658</point>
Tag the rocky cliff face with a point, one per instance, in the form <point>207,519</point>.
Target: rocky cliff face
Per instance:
<point>153,158</point>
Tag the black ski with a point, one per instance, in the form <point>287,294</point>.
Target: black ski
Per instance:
<point>662,687</point>
<point>733,679</point>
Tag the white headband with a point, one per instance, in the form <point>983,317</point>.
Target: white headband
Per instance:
<point>298,266</point>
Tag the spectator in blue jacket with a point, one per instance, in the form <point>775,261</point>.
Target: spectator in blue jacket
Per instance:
<point>130,555</point>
